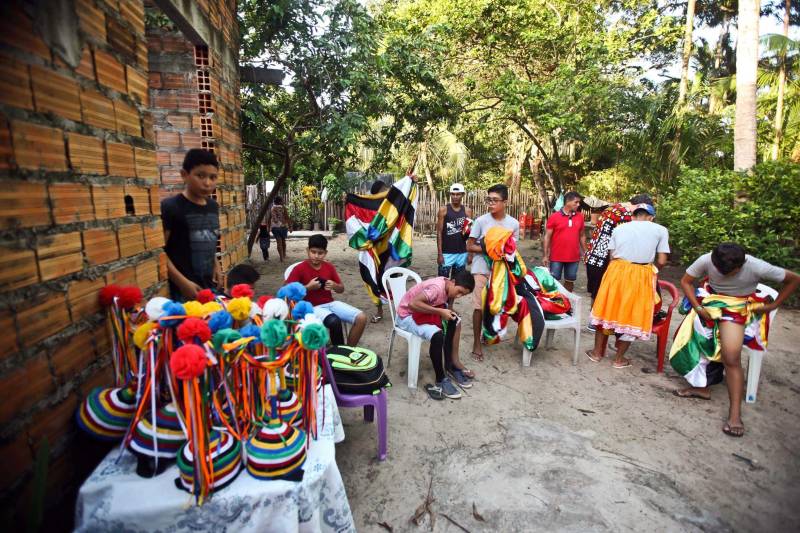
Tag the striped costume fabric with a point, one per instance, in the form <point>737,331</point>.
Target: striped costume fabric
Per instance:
<point>380,227</point>
<point>106,413</point>
<point>226,458</point>
<point>696,343</point>
<point>165,440</point>
<point>276,451</point>
<point>500,299</point>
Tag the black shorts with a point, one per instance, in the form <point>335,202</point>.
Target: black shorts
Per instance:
<point>594,275</point>
<point>280,233</point>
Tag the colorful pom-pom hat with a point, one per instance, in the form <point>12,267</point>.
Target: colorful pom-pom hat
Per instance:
<point>276,451</point>
<point>106,413</point>
<point>226,457</point>
<point>290,408</point>
<point>167,435</point>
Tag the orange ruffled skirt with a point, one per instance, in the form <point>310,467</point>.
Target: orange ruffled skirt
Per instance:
<point>625,300</point>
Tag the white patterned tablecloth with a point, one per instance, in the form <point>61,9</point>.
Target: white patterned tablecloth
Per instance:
<point>115,499</point>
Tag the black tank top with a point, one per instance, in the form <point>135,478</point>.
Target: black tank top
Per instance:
<point>453,241</point>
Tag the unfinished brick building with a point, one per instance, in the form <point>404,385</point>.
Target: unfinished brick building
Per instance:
<point>99,100</point>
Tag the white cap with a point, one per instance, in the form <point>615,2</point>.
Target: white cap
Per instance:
<point>457,187</point>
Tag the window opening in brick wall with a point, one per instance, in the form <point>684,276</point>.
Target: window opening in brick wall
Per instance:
<point>130,209</point>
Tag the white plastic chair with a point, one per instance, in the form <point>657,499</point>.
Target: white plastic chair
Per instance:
<point>286,276</point>
<point>754,365</point>
<point>572,322</point>
<point>394,284</point>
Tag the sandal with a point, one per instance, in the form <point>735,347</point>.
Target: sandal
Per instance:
<point>434,392</point>
<point>477,356</point>
<point>375,319</point>
<point>590,354</point>
<point>624,364</point>
<point>467,372</point>
<point>733,431</point>
<point>684,393</point>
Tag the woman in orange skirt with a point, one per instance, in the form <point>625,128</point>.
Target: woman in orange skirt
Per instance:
<point>627,294</point>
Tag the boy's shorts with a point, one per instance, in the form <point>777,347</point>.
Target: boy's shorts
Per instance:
<point>570,270</point>
<point>426,331</point>
<point>345,312</point>
<point>480,282</point>
<point>280,233</point>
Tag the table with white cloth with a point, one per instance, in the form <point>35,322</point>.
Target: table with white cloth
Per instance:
<point>115,498</point>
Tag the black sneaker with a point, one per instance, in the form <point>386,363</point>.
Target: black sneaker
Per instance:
<point>448,389</point>
<point>591,327</point>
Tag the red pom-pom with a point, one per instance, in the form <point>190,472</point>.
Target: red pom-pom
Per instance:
<point>242,290</point>
<point>205,296</point>
<point>188,361</point>
<point>129,296</point>
<point>264,299</point>
<point>192,328</point>
<point>108,293</point>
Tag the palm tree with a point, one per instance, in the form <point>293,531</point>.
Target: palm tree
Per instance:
<point>441,155</point>
<point>778,123</point>
<point>687,53</point>
<point>744,131</point>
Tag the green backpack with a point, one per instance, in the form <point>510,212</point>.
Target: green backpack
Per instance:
<point>357,370</point>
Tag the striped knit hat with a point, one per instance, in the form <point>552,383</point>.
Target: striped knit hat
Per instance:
<point>226,456</point>
<point>168,434</point>
<point>276,451</point>
<point>106,413</point>
<point>289,407</point>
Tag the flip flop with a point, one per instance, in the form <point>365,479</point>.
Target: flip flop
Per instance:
<point>625,364</point>
<point>590,354</point>
<point>733,431</point>
<point>677,392</point>
<point>477,356</point>
<point>469,373</point>
<point>375,319</point>
<point>434,392</point>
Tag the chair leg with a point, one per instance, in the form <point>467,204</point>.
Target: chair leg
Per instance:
<point>391,345</point>
<point>383,425</point>
<point>577,345</point>
<point>548,338</point>
<point>526,356</point>
<point>414,347</point>
<point>661,343</point>
<point>753,373</point>
<point>369,413</point>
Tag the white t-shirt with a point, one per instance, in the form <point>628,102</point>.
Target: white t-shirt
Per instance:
<point>480,227</point>
<point>742,283</point>
<point>638,241</point>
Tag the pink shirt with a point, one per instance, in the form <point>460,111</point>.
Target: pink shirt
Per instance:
<point>434,289</point>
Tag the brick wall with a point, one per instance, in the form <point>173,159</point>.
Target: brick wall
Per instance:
<point>86,153</point>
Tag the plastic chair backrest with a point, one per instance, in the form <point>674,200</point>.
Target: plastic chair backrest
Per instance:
<point>673,292</point>
<point>289,270</point>
<point>328,371</point>
<point>394,284</point>
<point>765,290</point>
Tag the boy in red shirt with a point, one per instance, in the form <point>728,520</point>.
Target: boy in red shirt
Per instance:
<point>320,278</point>
<point>565,241</point>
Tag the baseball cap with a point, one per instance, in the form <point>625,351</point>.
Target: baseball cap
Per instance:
<point>457,187</point>
<point>647,207</point>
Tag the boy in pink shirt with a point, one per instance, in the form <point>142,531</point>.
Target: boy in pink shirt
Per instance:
<point>423,311</point>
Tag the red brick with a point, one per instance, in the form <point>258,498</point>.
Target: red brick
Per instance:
<point>141,199</point>
<point>162,267</point>
<point>104,377</point>
<point>17,267</point>
<point>100,246</point>
<point>175,43</point>
<point>59,254</point>
<point>92,20</point>
<point>177,80</point>
<point>191,140</point>
<point>54,423</point>
<point>82,297</point>
<point>137,85</point>
<point>87,154</point>
<point>120,160</point>
<point>127,118</point>
<point>73,356</point>
<point>155,200</point>
<point>146,164</point>
<point>133,12</point>
<point>23,204</point>
<point>167,139</point>
<point>154,80</point>
<point>121,39</point>
<point>165,100</point>
<point>153,235</point>
<point>9,328</point>
<point>55,93</point>
<point>110,72</point>
<point>147,126</point>
<point>16,29</point>
<point>15,87</point>
<point>17,458</point>
<point>6,150</point>
<point>97,109</point>
<point>162,157</point>
<point>41,320</point>
<point>109,202</point>
<point>182,122</point>
<point>131,240</point>
<point>101,341</point>
<point>72,202</point>
<point>171,176</point>
<point>86,66</point>
<point>141,54</point>
<point>124,276</point>
<point>147,273</point>
<point>188,102</point>
<point>38,146</point>
<point>176,159</point>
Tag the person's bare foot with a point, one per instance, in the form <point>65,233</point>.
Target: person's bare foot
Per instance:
<point>733,429</point>
<point>693,392</point>
<point>591,355</point>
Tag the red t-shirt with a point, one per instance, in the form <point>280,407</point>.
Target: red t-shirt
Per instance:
<point>304,273</point>
<point>565,245</point>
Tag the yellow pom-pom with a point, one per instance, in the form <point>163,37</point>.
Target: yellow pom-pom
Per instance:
<point>141,334</point>
<point>239,308</point>
<point>194,308</point>
<point>211,307</point>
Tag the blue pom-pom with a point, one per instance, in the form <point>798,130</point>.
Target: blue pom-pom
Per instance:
<point>251,330</point>
<point>220,320</point>
<point>172,309</point>
<point>293,291</point>
<point>301,309</point>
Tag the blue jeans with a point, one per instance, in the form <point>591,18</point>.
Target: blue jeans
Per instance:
<point>570,270</point>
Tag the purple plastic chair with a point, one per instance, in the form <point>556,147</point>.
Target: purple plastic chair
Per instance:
<point>369,401</point>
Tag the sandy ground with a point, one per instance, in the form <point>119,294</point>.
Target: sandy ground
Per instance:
<point>562,447</point>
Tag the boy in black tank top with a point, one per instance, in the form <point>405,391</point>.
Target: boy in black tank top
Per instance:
<point>451,242</point>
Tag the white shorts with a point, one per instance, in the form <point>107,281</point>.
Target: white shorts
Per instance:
<point>426,331</point>
<point>345,312</point>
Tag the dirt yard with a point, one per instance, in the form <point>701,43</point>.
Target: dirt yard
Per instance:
<point>557,447</point>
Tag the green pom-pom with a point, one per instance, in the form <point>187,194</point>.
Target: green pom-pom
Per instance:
<point>224,336</point>
<point>273,333</point>
<point>314,336</point>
